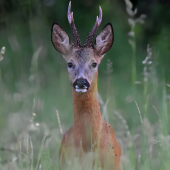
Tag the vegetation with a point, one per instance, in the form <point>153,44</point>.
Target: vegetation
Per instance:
<point>134,82</point>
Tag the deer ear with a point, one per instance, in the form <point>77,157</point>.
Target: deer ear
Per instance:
<point>60,39</point>
<point>104,40</point>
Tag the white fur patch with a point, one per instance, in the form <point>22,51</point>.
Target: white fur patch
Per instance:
<point>80,90</point>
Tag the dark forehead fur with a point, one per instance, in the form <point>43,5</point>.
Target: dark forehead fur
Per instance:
<point>83,54</point>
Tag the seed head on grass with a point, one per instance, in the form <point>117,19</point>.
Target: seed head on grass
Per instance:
<point>132,20</point>
<point>109,66</point>
<point>147,63</point>
<point>3,49</point>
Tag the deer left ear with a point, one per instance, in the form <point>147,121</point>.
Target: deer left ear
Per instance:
<point>60,39</point>
<point>104,40</point>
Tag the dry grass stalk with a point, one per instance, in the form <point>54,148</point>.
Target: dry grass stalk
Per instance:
<point>59,123</point>
<point>139,112</point>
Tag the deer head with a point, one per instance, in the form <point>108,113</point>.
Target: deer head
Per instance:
<point>82,60</point>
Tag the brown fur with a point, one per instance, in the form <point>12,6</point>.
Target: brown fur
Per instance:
<point>90,139</point>
<point>89,128</point>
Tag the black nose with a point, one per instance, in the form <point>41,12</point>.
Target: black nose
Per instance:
<point>81,83</point>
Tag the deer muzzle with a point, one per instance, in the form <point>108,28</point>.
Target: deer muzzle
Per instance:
<point>81,85</point>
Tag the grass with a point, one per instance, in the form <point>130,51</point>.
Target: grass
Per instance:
<point>145,144</point>
<point>33,118</point>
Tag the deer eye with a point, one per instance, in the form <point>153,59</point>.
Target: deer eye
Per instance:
<point>94,65</point>
<point>70,65</point>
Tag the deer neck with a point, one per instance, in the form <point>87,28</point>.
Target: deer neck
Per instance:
<point>86,109</point>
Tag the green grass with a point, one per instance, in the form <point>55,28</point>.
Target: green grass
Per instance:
<point>36,99</point>
<point>138,113</point>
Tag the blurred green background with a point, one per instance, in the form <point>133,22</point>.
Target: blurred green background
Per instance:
<point>33,75</point>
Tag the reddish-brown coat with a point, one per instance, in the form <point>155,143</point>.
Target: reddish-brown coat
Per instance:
<point>90,138</point>
<point>90,129</point>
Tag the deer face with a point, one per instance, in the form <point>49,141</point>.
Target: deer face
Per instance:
<point>82,61</point>
<point>82,68</point>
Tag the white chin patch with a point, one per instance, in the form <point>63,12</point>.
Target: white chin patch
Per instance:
<point>80,90</point>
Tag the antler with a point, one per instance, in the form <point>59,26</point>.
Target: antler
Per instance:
<point>89,38</point>
<point>77,42</point>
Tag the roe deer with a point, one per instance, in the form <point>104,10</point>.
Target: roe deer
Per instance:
<point>90,139</point>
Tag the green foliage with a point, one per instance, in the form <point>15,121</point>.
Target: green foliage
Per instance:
<point>35,94</point>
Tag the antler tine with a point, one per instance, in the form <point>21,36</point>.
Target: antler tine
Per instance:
<point>76,38</point>
<point>100,16</point>
<point>69,13</point>
<point>89,38</point>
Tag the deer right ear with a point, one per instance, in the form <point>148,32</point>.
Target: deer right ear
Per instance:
<point>104,40</point>
<point>60,39</point>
